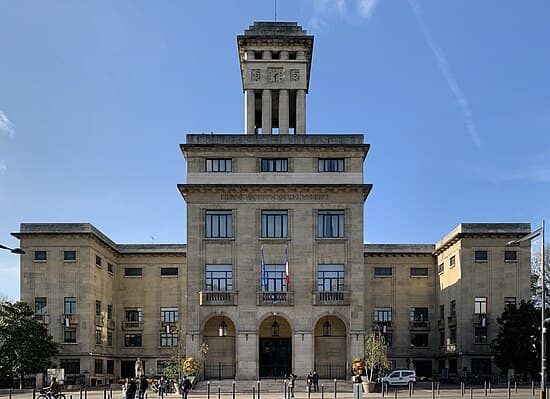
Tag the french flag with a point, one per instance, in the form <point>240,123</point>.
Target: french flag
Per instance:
<point>287,276</point>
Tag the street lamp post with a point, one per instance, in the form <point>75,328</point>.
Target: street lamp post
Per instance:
<point>534,234</point>
<point>17,251</point>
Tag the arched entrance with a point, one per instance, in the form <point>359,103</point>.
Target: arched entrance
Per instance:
<point>330,347</point>
<point>219,335</point>
<point>275,349</point>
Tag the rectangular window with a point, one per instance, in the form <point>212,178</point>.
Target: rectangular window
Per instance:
<point>169,315</point>
<point>452,261</point>
<point>219,165</point>
<point>69,335</point>
<point>388,339</point>
<point>98,308</point>
<point>133,272</point>
<point>275,224</point>
<point>331,164</point>
<point>480,305</point>
<point>110,268</point>
<point>382,314</point>
<point>275,275</point>
<point>71,366</point>
<point>69,305</point>
<point>133,315</point>
<point>382,271</point>
<point>109,338</point>
<point>219,224</point>
<point>418,314</point>
<point>330,278</point>
<point>419,272</point>
<point>219,277</point>
<point>132,341</point>
<point>419,340</point>
<point>330,224</point>
<point>509,302</point>
<point>40,256</point>
<point>480,335</point>
<point>98,261</point>
<point>169,271</point>
<point>441,338</point>
<point>110,366</point>
<point>441,268</point>
<point>274,165</point>
<point>98,336</point>
<point>510,256</point>
<point>98,366</point>
<point>69,256</point>
<point>441,312</point>
<point>481,256</point>
<point>452,308</point>
<point>168,340</point>
<point>109,312</point>
<point>452,336</point>
<point>40,305</point>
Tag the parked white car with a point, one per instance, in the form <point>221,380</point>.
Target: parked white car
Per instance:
<point>400,377</point>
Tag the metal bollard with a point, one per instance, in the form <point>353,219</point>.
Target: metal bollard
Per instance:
<point>145,396</point>
<point>10,393</point>
<point>395,393</point>
<point>111,392</point>
<point>85,392</point>
<point>208,389</point>
<point>104,392</point>
<point>438,388</point>
<point>335,388</point>
<point>485,387</point>
<point>259,388</point>
<point>471,393</point>
<point>433,390</point>
<point>33,393</point>
<point>322,391</point>
<point>462,388</point>
<point>233,389</point>
<point>509,390</point>
<point>382,388</point>
<point>253,392</point>
<point>516,386</point>
<point>219,392</point>
<point>533,388</point>
<point>285,387</point>
<point>490,387</point>
<point>80,392</point>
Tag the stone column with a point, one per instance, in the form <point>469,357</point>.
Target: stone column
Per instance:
<point>300,111</point>
<point>250,111</point>
<point>283,111</point>
<point>266,111</point>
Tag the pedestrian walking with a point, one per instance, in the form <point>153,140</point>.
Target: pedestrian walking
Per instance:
<point>315,379</point>
<point>291,383</point>
<point>143,385</point>
<point>186,387</point>
<point>309,381</point>
<point>131,389</point>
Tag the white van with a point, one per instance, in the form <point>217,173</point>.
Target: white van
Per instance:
<point>400,377</point>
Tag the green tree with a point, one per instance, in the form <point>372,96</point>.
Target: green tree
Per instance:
<point>25,345</point>
<point>376,355</point>
<point>517,344</point>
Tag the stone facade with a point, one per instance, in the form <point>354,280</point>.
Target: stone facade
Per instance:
<point>275,275</point>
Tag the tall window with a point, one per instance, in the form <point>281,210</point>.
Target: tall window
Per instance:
<point>71,366</point>
<point>276,281</point>
<point>330,278</point>
<point>452,261</point>
<point>441,312</point>
<point>69,335</point>
<point>109,338</point>
<point>219,224</point>
<point>331,164</point>
<point>70,305</point>
<point>98,261</point>
<point>442,338</point>
<point>275,224</point>
<point>168,340</point>
<point>419,340</point>
<point>219,278</point>
<point>98,366</point>
<point>134,315</point>
<point>109,312</point>
<point>132,340</point>
<point>452,310</point>
<point>40,305</point>
<point>480,305</point>
<point>219,165</point>
<point>98,308</point>
<point>169,315</point>
<point>441,268</point>
<point>452,336</point>
<point>274,165</point>
<point>98,336</point>
<point>480,335</point>
<point>419,314</point>
<point>388,339</point>
<point>110,366</point>
<point>331,224</point>
<point>382,314</point>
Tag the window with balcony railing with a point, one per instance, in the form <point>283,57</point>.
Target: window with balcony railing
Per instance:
<point>40,305</point>
<point>169,315</point>
<point>69,304</point>
<point>330,278</point>
<point>133,315</point>
<point>480,305</point>
<point>219,277</point>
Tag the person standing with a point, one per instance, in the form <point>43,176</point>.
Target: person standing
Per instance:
<point>186,385</point>
<point>315,379</point>
<point>292,384</point>
<point>143,385</point>
<point>309,381</point>
<point>131,389</point>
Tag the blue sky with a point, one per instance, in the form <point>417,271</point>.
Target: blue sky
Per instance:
<point>95,97</point>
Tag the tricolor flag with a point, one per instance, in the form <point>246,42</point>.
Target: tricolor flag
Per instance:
<point>168,329</point>
<point>67,322</point>
<point>264,274</point>
<point>287,277</point>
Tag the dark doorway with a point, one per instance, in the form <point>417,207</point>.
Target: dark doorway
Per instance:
<point>128,368</point>
<point>423,368</point>
<point>275,357</point>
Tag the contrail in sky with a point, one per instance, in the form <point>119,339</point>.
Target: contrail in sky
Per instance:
<point>447,74</point>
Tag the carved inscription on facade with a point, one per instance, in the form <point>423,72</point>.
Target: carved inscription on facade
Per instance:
<point>275,74</point>
<point>273,197</point>
<point>255,75</point>
<point>294,75</point>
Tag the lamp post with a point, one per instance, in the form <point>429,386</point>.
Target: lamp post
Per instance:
<point>17,251</point>
<point>534,234</point>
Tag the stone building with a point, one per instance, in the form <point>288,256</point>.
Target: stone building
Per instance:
<point>275,275</point>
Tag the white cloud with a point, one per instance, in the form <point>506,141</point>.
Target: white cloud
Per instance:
<point>366,7</point>
<point>445,69</point>
<point>536,175</point>
<point>3,167</point>
<point>6,127</point>
<point>323,9</point>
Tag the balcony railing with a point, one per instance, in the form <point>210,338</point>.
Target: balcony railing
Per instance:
<point>451,347</point>
<point>72,318</point>
<point>441,323</point>
<point>42,318</point>
<point>110,324</point>
<point>280,298</point>
<point>384,326</point>
<point>98,320</point>
<point>451,320</point>
<point>227,298</point>
<point>331,298</point>
<point>422,325</point>
<point>481,318</point>
<point>132,325</point>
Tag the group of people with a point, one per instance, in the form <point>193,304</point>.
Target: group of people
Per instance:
<point>140,385</point>
<point>312,379</point>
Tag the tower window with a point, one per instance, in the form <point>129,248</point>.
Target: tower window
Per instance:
<point>219,165</point>
<point>331,224</point>
<point>274,165</point>
<point>219,224</point>
<point>510,256</point>
<point>331,164</point>
<point>481,256</point>
<point>275,224</point>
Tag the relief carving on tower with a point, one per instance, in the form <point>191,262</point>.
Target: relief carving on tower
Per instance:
<point>274,75</point>
<point>255,75</point>
<point>294,75</point>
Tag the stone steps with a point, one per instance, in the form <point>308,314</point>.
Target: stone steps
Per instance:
<point>267,385</point>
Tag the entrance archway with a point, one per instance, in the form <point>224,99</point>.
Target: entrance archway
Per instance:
<point>330,347</point>
<point>219,334</point>
<point>275,347</point>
